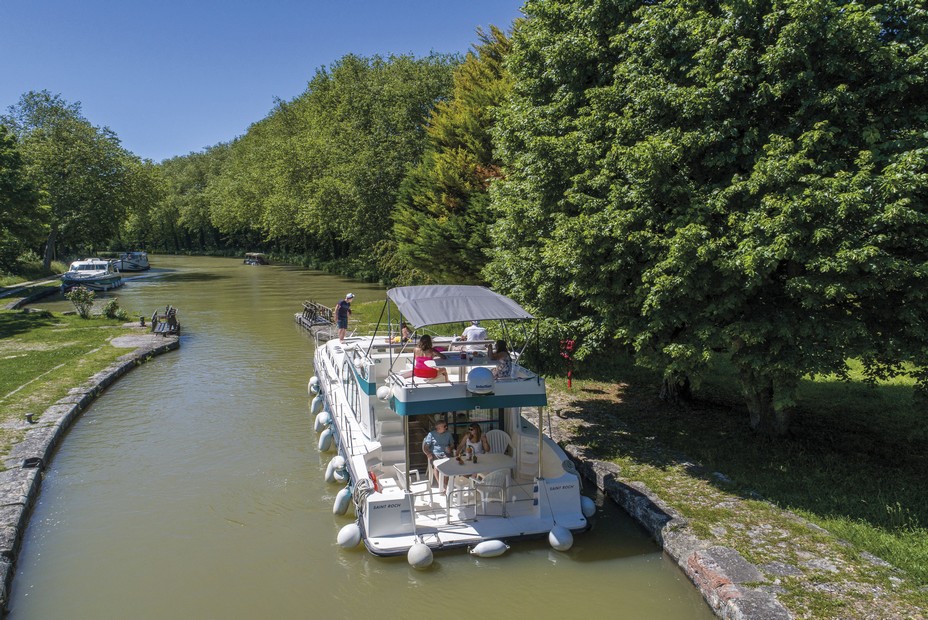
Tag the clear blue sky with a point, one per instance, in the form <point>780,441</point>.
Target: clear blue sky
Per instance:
<point>171,77</point>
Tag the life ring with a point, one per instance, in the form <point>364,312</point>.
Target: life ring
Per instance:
<point>374,482</point>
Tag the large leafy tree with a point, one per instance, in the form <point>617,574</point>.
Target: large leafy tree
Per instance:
<point>21,216</point>
<point>442,216</point>
<point>746,178</point>
<point>82,169</point>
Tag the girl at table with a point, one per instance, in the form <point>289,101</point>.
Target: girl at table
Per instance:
<point>474,442</point>
<point>503,361</point>
<point>423,353</point>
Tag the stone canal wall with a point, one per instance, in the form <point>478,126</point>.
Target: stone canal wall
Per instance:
<point>22,478</point>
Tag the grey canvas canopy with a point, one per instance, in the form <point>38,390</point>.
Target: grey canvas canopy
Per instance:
<point>431,305</point>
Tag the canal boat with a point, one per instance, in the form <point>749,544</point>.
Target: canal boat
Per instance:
<point>97,274</point>
<point>256,258</point>
<point>375,413</point>
<point>133,261</point>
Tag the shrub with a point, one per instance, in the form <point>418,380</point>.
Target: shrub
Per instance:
<point>82,298</point>
<point>112,310</point>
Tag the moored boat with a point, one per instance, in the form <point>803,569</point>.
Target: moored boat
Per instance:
<point>133,261</point>
<point>256,258</point>
<point>371,408</point>
<point>97,274</point>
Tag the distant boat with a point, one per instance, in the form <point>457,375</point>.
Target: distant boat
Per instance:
<point>133,261</point>
<point>97,274</point>
<point>256,258</point>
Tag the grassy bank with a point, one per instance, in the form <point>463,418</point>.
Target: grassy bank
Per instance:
<point>854,465</point>
<point>42,356</point>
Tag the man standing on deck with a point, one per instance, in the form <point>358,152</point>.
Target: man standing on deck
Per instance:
<point>342,311</point>
<point>474,333</point>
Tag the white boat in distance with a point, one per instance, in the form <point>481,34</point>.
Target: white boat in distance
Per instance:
<point>97,274</point>
<point>133,261</point>
<point>375,413</point>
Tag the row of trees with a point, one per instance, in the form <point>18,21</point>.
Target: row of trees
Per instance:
<point>689,178</point>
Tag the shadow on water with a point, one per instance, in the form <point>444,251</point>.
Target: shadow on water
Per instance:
<point>192,276</point>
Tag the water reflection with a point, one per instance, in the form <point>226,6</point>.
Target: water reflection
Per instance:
<point>193,489</point>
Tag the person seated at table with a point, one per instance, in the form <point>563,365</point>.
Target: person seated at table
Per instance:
<point>503,368</point>
<point>438,444</point>
<point>423,353</point>
<point>474,442</point>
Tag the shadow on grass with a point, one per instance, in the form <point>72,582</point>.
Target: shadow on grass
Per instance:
<point>855,452</point>
<point>14,322</point>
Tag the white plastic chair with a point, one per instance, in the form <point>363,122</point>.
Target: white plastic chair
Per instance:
<point>499,441</point>
<point>415,486</point>
<point>493,488</point>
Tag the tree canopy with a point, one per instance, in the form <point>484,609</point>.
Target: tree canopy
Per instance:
<point>744,178</point>
<point>21,218</point>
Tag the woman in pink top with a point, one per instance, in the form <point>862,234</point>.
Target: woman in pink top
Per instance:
<point>423,353</point>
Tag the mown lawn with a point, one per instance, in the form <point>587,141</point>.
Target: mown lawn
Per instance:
<point>42,356</point>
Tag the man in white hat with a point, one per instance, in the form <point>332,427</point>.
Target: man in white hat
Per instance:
<point>473,333</point>
<point>342,312</point>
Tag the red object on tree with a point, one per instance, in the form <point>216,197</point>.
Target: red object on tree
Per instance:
<point>567,346</point>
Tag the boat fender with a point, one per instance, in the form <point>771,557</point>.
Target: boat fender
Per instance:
<point>341,501</point>
<point>313,385</point>
<point>325,440</point>
<point>340,474</point>
<point>349,536</point>
<point>323,419</point>
<point>419,556</point>
<point>560,538</point>
<point>489,549</point>
<point>316,405</point>
<point>383,392</point>
<point>588,506</point>
<point>337,462</point>
<point>375,484</point>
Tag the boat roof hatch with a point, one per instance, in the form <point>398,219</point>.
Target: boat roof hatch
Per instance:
<point>453,303</point>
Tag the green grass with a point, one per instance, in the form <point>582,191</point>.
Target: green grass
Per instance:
<point>42,356</point>
<point>854,463</point>
<point>32,270</point>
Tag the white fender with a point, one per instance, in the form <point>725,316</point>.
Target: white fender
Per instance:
<point>323,419</point>
<point>490,549</point>
<point>588,506</point>
<point>313,385</point>
<point>340,474</point>
<point>349,536</point>
<point>419,556</point>
<point>560,538</point>
<point>316,405</point>
<point>325,440</point>
<point>383,392</point>
<point>342,498</point>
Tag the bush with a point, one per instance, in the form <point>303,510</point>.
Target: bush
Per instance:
<point>82,298</point>
<point>112,310</point>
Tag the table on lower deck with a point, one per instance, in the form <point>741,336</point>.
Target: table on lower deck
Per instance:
<point>484,465</point>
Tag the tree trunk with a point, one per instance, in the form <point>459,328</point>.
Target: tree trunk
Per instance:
<point>675,388</point>
<point>765,417</point>
<point>50,248</point>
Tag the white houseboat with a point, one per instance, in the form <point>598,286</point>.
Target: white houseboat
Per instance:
<point>97,274</point>
<point>372,410</point>
<point>133,261</point>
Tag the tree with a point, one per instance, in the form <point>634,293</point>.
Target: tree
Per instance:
<point>82,169</point>
<point>746,178</point>
<point>21,217</point>
<point>442,216</point>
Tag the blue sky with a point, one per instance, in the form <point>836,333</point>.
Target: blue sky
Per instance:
<point>171,77</point>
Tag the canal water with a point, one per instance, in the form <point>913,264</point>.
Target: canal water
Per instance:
<point>192,488</point>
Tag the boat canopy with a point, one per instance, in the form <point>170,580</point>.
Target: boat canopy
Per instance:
<point>435,304</point>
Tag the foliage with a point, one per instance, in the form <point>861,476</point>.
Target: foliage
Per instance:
<point>20,214</point>
<point>82,298</point>
<point>689,177</point>
<point>441,221</point>
<point>111,310</point>
<point>85,175</point>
